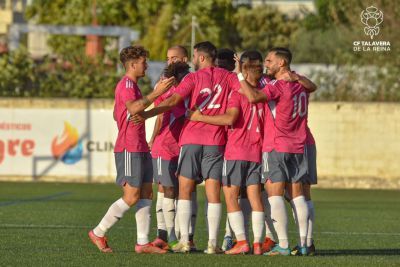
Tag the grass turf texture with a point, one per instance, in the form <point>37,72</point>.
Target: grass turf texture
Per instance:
<point>46,224</point>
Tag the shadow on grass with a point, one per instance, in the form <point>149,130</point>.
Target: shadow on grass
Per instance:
<point>361,252</point>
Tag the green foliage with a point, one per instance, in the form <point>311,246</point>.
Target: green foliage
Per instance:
<point>264,28</point>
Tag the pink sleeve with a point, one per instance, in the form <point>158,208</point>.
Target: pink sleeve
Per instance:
<point>185,87</point>
<point>128,94</point>
<point>234,100</point>
<point>272,91</point>
<point>234,82</point>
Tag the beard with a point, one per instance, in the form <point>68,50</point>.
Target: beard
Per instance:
<point>196,65</point>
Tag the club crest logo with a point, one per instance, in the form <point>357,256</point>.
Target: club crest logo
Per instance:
<point>371,17</point>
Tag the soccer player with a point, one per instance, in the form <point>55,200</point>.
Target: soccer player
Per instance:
<point>202,145</point>
<point>242,164</point>
<point>132,157</point>
<point>165,152</point>
<point>285,163</point>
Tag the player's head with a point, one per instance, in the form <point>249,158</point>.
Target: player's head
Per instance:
<point>225,59</point>
<point>134,59</point>
<point>204,54</point>
<point>277,58</point>
<point>177,69</point>
<point>252,63</point>
<point>177,53</point>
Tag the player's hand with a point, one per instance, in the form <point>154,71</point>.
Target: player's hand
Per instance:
<point>238,64</point>
<point>290,76</point>
<point>194,115</point>
<point>137,118</point>
<point>150,144</point>
<point>164,85</point>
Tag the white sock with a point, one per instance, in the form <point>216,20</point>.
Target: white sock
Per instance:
<point>228,229</point>
<point>280,219</point>
<point>267,216</point>
<point>257,221</point>
<point>177,229</point>
<point>184,214</point>
<point>193,218</point>
<point>301,210</point>
<point>311,219</point>
<point>214,218</point>
<point>237,220</point>
<point>143,220</point>
<point>161,227</point>
<point>296,221</point>
<point>169,215</point>
<point>246,209</point>
<point>114,214</point>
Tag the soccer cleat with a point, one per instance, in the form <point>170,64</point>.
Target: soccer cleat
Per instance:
<point>268,244</point>
<point>311,250</point>
<point>258,249</point>
<point>227,244</point>
<point>277,250</point>
<point>211,249</point>
<point>241,247</point>
<point>149,248</point>
<point>181,247</point>
<point>100,242</point>
<point>172,244</point>
<point>158,242</point>
<point>192,245</point>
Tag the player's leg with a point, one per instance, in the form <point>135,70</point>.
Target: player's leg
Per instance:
<point>234,173</point>
<point>269,240</point>
<point>141,162</point>
<point>211,169</point>
<point>253,184</point>
<point>169,182</point>
<point>131,193</point>
<point>162,235</point>
<point>312,179</point>
<point>193,219</point>
<point>188,170</point>
<point>275,187</point>
<point>246,209</point>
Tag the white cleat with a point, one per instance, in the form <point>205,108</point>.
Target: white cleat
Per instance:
<point>211,249</point>
<point>181,247</point>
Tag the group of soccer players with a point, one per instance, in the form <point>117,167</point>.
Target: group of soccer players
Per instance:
<point>227,124</point>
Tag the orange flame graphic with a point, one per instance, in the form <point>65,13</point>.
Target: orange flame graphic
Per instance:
<point>68,140</point>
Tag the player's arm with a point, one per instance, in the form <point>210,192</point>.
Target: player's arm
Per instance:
<point>164,106</point>
<point>139,105</point>
<point>226,119</point>
<point>291,76</point>
<point>252,94</point>
<point>156,130</point>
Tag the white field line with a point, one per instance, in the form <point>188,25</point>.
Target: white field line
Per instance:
<point>61,226</point>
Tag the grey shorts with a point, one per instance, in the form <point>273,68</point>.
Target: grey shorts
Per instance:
<point>311,156</point>
<point>134,168</point>
<point>241,173</point>
<point>284,167</point>
<point>164,172</point>
<point>198,162</point>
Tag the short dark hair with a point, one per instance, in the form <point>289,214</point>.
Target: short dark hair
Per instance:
<point>283,53</point>
<point>251,55</point>
<point>176,69</point>
<point>225,59</point>
<point>208,48</point>
<point>132,53</point>
<point>182,48</point>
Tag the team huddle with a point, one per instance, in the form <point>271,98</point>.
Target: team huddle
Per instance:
<point>227,124</point>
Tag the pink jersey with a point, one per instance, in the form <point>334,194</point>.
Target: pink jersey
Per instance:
<point>166,142</point>
<point>290,115</point>
<point>131,137</point>
<point>245,135</point>
<point>207,89</point>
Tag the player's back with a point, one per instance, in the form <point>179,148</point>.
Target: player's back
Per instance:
<point>207,90</point>
<point>290,116</point>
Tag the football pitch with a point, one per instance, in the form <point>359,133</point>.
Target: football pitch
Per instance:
<point>46,224</point>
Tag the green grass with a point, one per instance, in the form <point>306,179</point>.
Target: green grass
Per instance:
<point>46,224</point>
